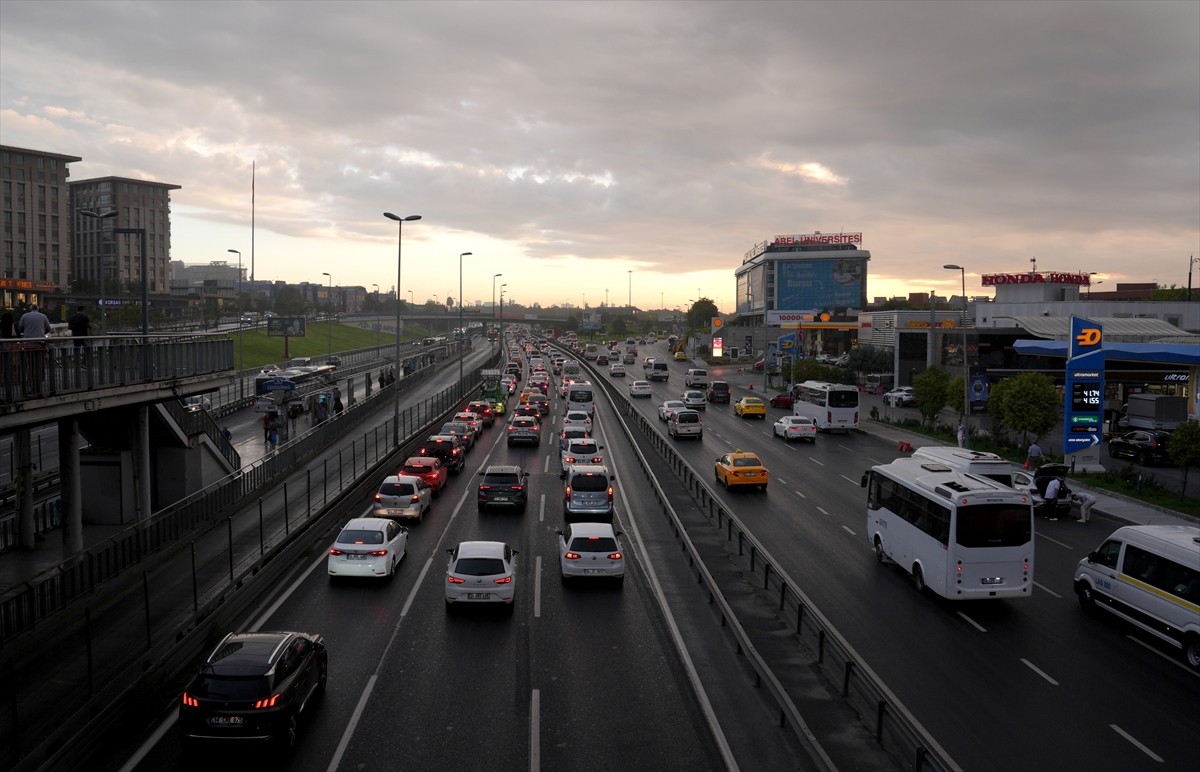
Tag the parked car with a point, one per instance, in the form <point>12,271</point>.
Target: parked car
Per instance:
<point>901,396</point>
<point>254,686</point>
<point>1144,447</point>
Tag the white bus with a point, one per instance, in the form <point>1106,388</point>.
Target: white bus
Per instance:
<point>834,407</point>
<point>960,535</point>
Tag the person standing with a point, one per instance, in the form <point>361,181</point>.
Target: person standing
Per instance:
<point>228,435</point>
<point>1050,504</point>
<point>1085,501</point>
<point>34,324</point>
<point>962,433</point>
<point>273,438</point>
<point>266,427</point>
<point>80,326</point>
<point>1034,459</point>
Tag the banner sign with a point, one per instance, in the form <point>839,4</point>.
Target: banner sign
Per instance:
<point>285,327</point>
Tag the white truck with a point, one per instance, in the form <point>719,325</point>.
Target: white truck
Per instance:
<point>1154,412</point>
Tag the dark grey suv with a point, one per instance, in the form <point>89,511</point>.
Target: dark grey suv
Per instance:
<point>503,486</point>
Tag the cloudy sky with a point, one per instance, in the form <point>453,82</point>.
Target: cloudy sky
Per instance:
<point>568,143</point>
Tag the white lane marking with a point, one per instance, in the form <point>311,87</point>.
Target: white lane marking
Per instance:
<point>781,481</point>
<point>1044,588</point>
<point>810,458</point>
<point>845,447</point>
<point>1040,535</point>
<point>972,622</point>
<point>537,588</point>
<point>1039,671</point>
<point>535,731</point>
<point>876,461</point>
<point>855,483</point>
<point>542,510</point>
<point>1135,743</point>
<point>822,511</point>
<point>358,710</point>
<point>546,464</point>
<point>801,495</point>
<point>1176,661</point>
<point>849,531</point>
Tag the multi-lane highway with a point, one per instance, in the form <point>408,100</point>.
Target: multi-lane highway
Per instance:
<point>594,678</point>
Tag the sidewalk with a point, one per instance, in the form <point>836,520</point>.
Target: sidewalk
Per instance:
<point>1122,509</point>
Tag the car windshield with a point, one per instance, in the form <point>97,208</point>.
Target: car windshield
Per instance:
<point>590,482</point>
<point>593,544</point>
<point>397,489</point>
<point>479,566</point>
<point>357,536</point>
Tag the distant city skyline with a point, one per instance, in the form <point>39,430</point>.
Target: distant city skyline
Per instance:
<point>634,149</point>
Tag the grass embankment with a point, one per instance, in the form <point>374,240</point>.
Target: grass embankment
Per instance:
<point>252,348</point>
<point>1121,477</point>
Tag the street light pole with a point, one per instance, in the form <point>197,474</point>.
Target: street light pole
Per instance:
<point>462,336</point>
<point>399,252</point>
<point>378,325</point>
<point>494,277</point>
<point>1192,260</point>
<point>502,286</point>
<point>966,367</point>
<point>241,336</point>
<point>328,320</point>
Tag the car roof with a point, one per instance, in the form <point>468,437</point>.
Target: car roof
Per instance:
<point>481,549</point>
<point>401,478</point>
<point>422,461</point>
<point>369,523</point>
<point>590,469</point>
<point>742,454</point>
<point>251,653</point>
<point>592,529</point>
<point>502,469</point>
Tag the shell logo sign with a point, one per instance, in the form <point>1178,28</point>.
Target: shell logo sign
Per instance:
<point>716,323</point>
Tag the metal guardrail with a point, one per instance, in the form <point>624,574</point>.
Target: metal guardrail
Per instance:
<point>892,725</point>
<point>194,422</point>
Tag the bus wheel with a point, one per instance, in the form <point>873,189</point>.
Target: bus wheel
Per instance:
<point>1191,651</point>
<point>879,550</point>
<point>918,578</point>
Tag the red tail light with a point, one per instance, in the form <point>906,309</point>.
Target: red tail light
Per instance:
<point>190,701</point>
<point>518,487</point>
<point>504,580</point>
<point>570,459</point>
<point>377,498</point>
<point>567,493</point>
<point>615,556</point>
<point>336,552</point>
<point>269,702</point>
<point>597,459</point>
<point>483,487</point>
<point>610,492</point>
<point>571,556</point>
<point>455,580</point>
<point>378,553</point>
<point>415,500</point>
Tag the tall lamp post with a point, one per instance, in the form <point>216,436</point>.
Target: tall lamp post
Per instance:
<point>377,324</point>
<point>494,277</point>
<point>502,286</point>
<point>328,320</point>
<point>462,337</point>
<point>241,337</point>
<point>399,246</point>
<point>1192,260</point>
<point>966,368</point>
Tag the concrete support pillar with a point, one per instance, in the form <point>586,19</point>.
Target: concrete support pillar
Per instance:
<point>71,513</point>
<point>142,477</point>
<point>23,481</point>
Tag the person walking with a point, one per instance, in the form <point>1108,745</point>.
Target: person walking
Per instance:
<point>962,433</point>
<point>80,326</point>
<point>1085,501</point>
<point>266,427</point>
<point>228,435</point>
<point>1033,460</point>
<point>33,323</point>
<point>273,438</point>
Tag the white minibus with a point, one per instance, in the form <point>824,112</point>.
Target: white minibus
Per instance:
<point>976,462</point>
<point>580,396</point>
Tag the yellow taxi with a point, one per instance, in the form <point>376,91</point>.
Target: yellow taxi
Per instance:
<point>528,392</point>
<point>747,407</point>
<point>741,468</point>
<point>680,356</point>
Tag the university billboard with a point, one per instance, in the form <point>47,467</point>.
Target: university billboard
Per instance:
<point>815,284</point>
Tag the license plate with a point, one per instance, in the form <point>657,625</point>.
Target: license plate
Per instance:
<point>592,571</point>
<point>750,474</point>
<point>356,557</point>
<point>225,721</point>
<point>992,580</point>
<point>478,595</point>
<point>502,498</point>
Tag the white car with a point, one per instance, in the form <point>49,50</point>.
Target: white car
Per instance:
<point>509,383</point>
<point>694,399</point>
<point>472,419</point>
<point>796,427</point>
<point>591,550</point>
<point>901,396</point>
<point>577,418</point>
<point>640,389</point>
<point>481,572</point>
<point>616,370</point>
<point>670,408</point>
<point>368,546</point>
<point>402,496</point>
<point>581,451</point>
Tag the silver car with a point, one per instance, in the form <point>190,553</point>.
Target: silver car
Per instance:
<point>591,550</point>
<point>695,400</point>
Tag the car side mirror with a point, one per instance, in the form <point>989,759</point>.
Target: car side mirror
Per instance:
<point>450,552</point>
<point>559,532</point>
<point>1091,558</point>
<point>863,482</point>
<point>516,552</point>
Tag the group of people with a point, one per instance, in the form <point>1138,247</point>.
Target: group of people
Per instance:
<point>1058,490</point>
<point>34,324</point>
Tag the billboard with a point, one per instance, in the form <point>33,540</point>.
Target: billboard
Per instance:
<point>812,284</point>
<point>285,327</point>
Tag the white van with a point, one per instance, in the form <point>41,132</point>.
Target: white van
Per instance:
<point>974,462</point>
<point>1148,575</point>
<point>591,352</point>
<point>581,396</point>
<point>685,423</point>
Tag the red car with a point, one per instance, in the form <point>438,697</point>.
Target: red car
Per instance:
<point>782,400</point>
<point>428,468</point>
